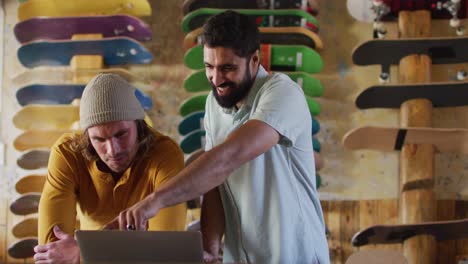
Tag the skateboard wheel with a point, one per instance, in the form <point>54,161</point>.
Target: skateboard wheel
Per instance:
<point>377,2</point>
<point>461,75</point>
<point>381,34</point>
<point>384,77</point>
<point>130,28</point>
<point>455,22</point>
<point>460,31</point>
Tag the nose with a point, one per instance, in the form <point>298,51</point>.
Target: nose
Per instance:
<point>113,147</point>
<point>217,77</point>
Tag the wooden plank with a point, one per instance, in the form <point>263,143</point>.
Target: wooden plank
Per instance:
<point>461,212</point>
<point>335,240</point>
<point>3,247</point>
<point>367,217</point>
<point>387,214</point>
<point>349,225</point>
<point>446,250</point>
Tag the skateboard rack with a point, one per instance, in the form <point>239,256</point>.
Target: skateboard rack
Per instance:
<point>80,69</point>
<point>193,138</point>
<point>417,201</point>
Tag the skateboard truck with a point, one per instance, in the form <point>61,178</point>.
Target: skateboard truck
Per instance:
<point>452,6</point>
<point>380,9</point>
<point>384,76</point>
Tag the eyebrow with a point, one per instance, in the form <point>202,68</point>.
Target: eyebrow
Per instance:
<point>118,133</point>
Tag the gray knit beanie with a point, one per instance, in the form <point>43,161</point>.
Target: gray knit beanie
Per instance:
<point>106,98</point>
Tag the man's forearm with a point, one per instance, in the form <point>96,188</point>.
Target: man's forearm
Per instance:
<point>212,221</point>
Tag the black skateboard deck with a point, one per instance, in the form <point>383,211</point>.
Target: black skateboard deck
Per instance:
<point>23,248</point>
<point>26,204</point>
<point>390,52</point>
<point>392,96</point>
<point>388,234</point>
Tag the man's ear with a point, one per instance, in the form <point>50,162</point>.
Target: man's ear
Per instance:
<point>255,61</point>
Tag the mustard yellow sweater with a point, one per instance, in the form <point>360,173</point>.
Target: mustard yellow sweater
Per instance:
<point>75,185</point>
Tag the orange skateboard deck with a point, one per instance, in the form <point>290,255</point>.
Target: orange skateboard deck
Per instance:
<point>30,183</point>
<point>25,228</point>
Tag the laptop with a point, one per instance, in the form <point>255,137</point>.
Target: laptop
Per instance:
<point>140,247</point>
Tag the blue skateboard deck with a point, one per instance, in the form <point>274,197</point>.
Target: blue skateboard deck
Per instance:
<point>61,28</point>
<point>197,82</point>
<point>194,121</point>
<point>63,94</point>
<point>115,51</point>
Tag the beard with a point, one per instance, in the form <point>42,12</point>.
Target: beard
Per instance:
<point>237,91</point>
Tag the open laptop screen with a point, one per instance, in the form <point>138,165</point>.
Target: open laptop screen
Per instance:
<point>112,246</point>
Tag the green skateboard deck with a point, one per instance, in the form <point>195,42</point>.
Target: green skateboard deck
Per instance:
<point>264,18</point>
<point>30,183</point>
<point>197,82</point>
<point>191,5</point>
<point>194,121</point>
<point>25,228</point>
<point>270,35</point>
<point>34,159</point>
<point>445,140</point>
<point>27,203</point>
<point>197,103</point>
<point>392,96</point>
<point>388,234</point>
<point>274,58</point>
<point>23,248</point>
<point>57,8</point>
<point>196,140</point>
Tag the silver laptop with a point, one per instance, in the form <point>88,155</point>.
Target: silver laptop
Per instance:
<point>111,246</point>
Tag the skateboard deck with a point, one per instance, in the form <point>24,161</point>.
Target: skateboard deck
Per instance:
<point>194,121</point>
<point>377,256</point>
<point>25,228</point>
<point>264,18</point>
<point>197,103</point>
<point>27,203</point>
<point>57,8</point>
<point>191,5</point>
<point>62,94</point>
<point>274,58</point>
<point>362,9</point>
<point>392,96</point>
<point>23,248</point>
<point>388,234</point>
<point>197,82</point>
<point>33,139</point>
<point>30,183</point>
<point>390,52</point>
<point>52,117</point>
<point>193,141</point>
<point>34,159</point>
<point>196,139</point>
<point>61,28</point>
<point>61,75</point>
<point>271,35</point>
<point>445,140</point>
<point>115,51</point>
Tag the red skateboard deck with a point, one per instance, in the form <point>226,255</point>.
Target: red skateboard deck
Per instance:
<point>61,28</point>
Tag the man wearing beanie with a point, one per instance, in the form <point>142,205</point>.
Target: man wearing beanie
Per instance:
<point>114,162</point>
<point>257,174</point>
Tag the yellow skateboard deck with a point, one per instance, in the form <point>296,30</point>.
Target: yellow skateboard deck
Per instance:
<point>34,139</point>
<point>62,75</point>
<point>53,117</point>
<point>60,8</point>
<point>25,228</point>
<point>30,183</point>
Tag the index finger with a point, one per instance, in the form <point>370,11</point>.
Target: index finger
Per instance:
<point>114,224</point>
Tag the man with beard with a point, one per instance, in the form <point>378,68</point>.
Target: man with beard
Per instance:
<point>257,172</point>
<point>116,161</point>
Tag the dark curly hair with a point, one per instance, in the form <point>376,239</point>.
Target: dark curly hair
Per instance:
<point>81,143</point>
<point>232,30</point>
